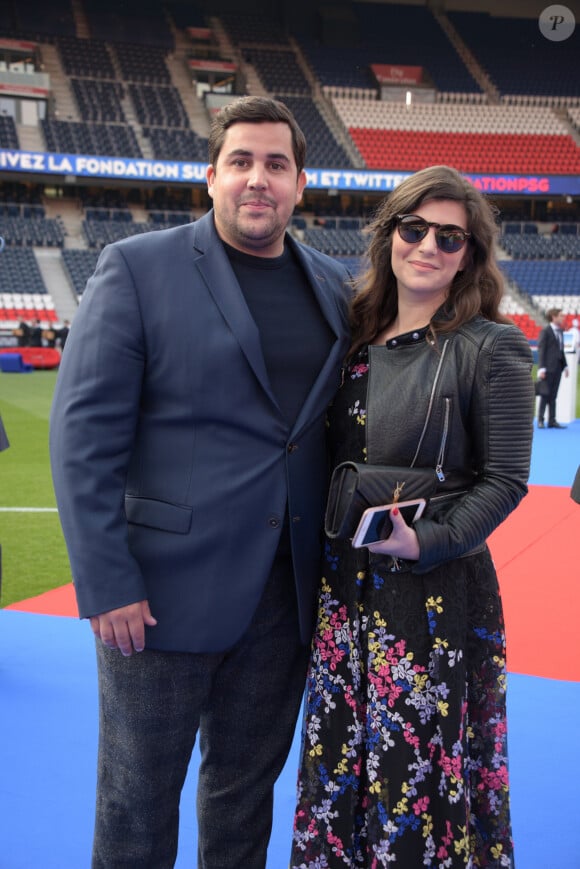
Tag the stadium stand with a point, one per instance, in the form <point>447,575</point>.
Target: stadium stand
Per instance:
<point>38,20</point>
<point>253,28</point>
<point>323,148</point>
<point>80,264</point>
<point>279,71</point>
<point>473,138</point>
<point>88,58</point>
<point>77,137</point>
<point>158,106</point>
<point>518,60</point>
<point>133,22</point>
<point>389,34</point>
<point>491,99</point>
<point>8,136</point>
<point>19,274</point>
<point>99,101</point>
<point>176,144</point>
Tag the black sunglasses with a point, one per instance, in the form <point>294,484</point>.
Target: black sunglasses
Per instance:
<point>413,228</point>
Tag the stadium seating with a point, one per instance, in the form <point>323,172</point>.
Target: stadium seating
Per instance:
<point>76,137</point>
<point>80,264</point>
<point>120,68</point>
<point>19,274</point>
<point>336,242</point>
<point>88,58</point>
<point>99,100</point>
<point>143,63</point>
<point>323,148</point>
<point>473,138</point>
<point>158,106</point>
<point>251,27</point>
<point>8,134</point>
<point>516,58</point>
<point>31,231</point>
<point>184,145</point>
<point>279,71</point>
<point>133,22</point>
<point>38,20</point>
<point>389,34</point>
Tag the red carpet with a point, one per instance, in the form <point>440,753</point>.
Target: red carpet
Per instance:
<point>537,555</point>
<point>58,602</point>
<point>536,552</point>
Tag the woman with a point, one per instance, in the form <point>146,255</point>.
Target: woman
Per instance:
<point>404,749</point>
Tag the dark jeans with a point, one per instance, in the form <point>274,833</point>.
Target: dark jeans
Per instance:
<point>244,702</point>
<point>553,380</point>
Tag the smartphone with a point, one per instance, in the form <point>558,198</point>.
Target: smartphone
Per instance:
<point>375,523</point>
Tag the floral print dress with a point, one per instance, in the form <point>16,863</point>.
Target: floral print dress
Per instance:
<point>404,740</point>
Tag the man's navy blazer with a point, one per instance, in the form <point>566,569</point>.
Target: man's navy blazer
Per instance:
<point>172,463</point>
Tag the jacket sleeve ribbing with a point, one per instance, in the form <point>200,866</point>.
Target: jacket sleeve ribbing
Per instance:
<point>501,421</point>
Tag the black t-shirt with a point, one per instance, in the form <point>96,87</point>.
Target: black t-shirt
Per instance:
<point>296,338</point>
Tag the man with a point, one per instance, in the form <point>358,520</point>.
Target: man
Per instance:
<point>35,337</point>
<point>551,363</point>
<point>63,334</point>
<point>188,454</point>
<point>575,335</point>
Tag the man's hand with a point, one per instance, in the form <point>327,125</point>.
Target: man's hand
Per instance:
<point>124,628</point>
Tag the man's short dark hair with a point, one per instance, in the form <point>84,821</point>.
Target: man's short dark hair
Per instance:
<point>255,110</point>
<point>552,313</point>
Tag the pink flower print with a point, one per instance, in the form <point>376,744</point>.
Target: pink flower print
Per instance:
<point>358,370</point>
<point>421,805</point>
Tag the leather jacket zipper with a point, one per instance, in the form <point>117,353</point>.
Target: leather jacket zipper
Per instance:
<point>440,457</point>
<point>428,416</point>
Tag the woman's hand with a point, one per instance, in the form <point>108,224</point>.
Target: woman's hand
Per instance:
<point>402,541</point>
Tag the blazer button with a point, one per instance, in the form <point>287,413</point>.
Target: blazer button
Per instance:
<point>273,522</point>
<point>292,448</point>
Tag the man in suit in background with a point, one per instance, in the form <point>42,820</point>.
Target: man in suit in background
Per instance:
<point>551,363</point>
<point>188,455</point>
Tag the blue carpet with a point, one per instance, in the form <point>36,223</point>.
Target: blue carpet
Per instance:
<point>49,715</point>
<point>48,736</point>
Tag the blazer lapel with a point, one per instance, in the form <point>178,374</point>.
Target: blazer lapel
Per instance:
<point>219,277</point>
<point>327,382</point>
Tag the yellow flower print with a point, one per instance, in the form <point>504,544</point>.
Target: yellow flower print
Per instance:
<point>462,845</point>
<point>402,807</point>
<point>434,603</point>
<point>316,751</point>
<point>420,682</point>
<point>443,708</point>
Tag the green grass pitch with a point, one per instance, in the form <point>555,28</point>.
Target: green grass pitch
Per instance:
<point>34,556</point>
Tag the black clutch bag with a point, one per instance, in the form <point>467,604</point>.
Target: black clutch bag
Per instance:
<point>356,486</point>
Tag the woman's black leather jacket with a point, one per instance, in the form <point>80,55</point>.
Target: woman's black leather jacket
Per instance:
<point>464,406</point>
